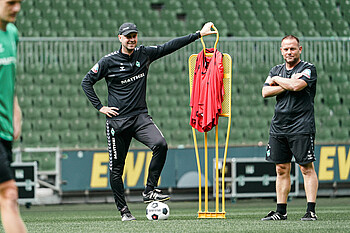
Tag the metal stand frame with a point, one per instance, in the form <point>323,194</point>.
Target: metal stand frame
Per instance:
<point>226,112</point>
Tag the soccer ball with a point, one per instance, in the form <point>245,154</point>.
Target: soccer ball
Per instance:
<point>157,211</point>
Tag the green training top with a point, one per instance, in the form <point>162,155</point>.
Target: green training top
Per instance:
<point>8,55</point>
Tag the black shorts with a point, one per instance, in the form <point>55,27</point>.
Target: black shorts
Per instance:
<point>6,173</point>
<point>281,149</point>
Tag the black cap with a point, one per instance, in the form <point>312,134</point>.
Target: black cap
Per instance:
<point>127,28</point>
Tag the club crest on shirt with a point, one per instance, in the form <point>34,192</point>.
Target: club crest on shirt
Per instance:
<point>95,68</point>
<point>306,73</point>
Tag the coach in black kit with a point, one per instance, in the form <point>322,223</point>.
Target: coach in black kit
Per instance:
<point>125,72</point>
<point>292,131</point>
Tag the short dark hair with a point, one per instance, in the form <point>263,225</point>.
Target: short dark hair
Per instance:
<point>291,37</point>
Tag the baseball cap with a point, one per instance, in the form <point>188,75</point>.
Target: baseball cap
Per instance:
<point>127,28</point>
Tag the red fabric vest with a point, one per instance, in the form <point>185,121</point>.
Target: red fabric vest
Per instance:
<point>207,91</point>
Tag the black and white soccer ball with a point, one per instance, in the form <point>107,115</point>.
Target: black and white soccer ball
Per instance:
<point>157,211</point>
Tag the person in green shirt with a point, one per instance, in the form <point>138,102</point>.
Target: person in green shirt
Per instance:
<point>10,115</point>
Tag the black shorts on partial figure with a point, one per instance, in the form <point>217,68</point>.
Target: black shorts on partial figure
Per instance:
<point>281,149</point>
<point>6,173</point>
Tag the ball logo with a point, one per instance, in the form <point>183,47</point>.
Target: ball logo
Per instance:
<point>154,205</point>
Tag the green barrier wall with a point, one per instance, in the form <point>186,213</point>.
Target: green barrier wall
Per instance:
<point>88,170</point>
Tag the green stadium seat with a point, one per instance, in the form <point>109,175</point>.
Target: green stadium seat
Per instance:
<point>51,91</point>
<point>30,139</point>
<point>88,140</point>
<point>259,5</point>
<point>26,127</point>
<point>52,68</point>
<point>340,78</point>
<point>180,137</point>
<point>306,26</point>
<point>69,140</point>
<point>271,27</point>
<point>328,88</point>
<point>344,89</point>
<point>67,14</point>
<point>78,125</point>
<point>42,80</point>
<point>41,102</point>
<point>341,135</point>
<point>236,137</point>
<point>224,5</point>
<point>330,122</point>
<point>169,124</point>
<point>346,99</point>
<point>41,126</point>
<point>110,4</point>
<point>158,90</point>
<point>51,114</point>
<point>345,68</point>
<point>345,122</point>
<point>69,114</point>
<point>160,113</point>
<point>241,5</point>
<point>322,111</point>
<point>75,24</point>
<point>76,4</point>
<point>60,102</point>
<point>254,27</point>
<point>341,111</point>
<point>247,14</point>
<point>266,112</point>
<point>332,67</point>
<point>32,91</point>
<point>323,135</point>
<point>93,5</point>
<point>241,123</point>
<point>97,125</point>
<point>50,139</point>
<point>259,123</point>
<point>31,114</point>
<point>332,100</point>
<point>58,25</point>
<point>253,136</point>
<point>59,5</point>
<point>60,126</point>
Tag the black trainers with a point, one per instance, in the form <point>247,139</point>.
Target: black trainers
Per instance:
<point>154,195</point>
<point>309,216</point>
<point>272,215</point>
<point>126,214</point>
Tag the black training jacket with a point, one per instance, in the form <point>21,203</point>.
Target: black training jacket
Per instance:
<point>126,75</point>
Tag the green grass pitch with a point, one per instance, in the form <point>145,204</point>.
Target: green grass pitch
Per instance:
<point>242,216</point>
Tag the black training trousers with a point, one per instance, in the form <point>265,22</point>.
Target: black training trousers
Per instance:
<point>119,135</point>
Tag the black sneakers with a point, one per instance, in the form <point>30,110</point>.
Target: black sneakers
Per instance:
<point>154,195</point>
<point>126,214</point>
<point>309,216</point>
<point>272,215</point>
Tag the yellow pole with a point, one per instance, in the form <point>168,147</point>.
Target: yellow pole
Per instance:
<point>217,169</point>
<point>206,170</point>
<point>224,164</point>
<point>199,170</point>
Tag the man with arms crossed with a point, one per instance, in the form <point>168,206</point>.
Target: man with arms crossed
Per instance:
<point>125,72</point>
<point>10,115</point>
<point>292,131</point>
